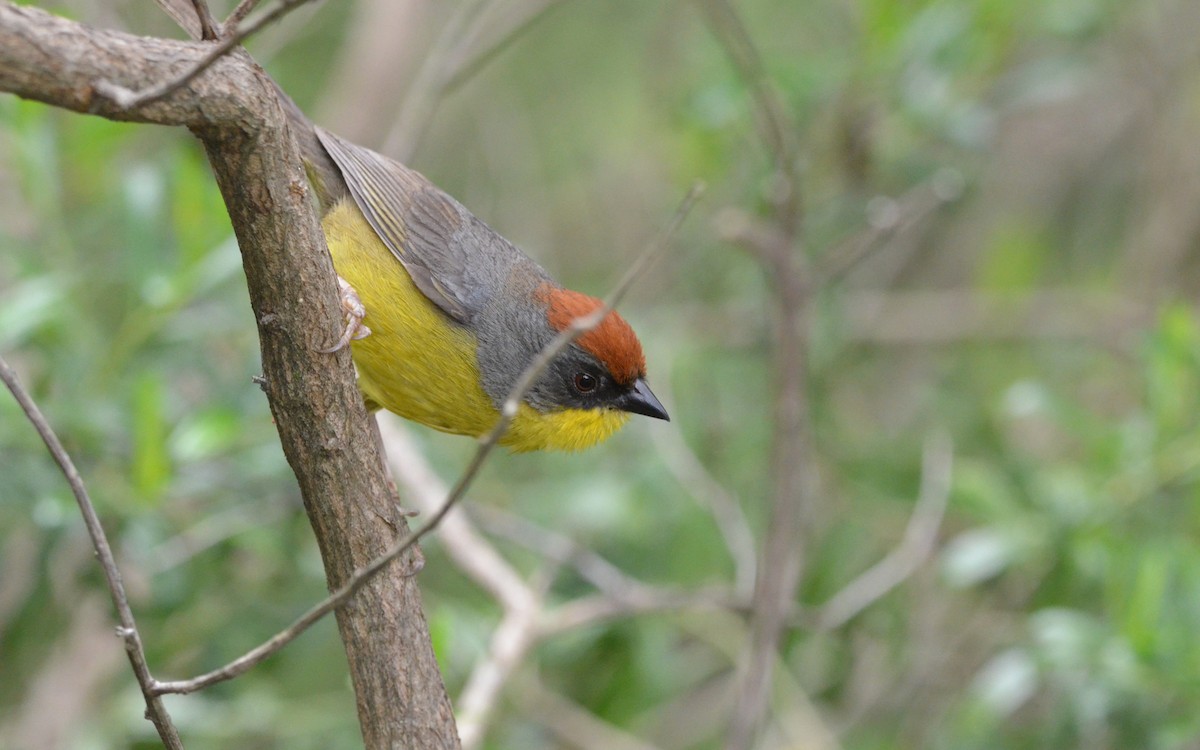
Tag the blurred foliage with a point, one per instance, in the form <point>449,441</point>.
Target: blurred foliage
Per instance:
<point>1062,605</point>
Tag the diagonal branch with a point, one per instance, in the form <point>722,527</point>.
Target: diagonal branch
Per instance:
<point>558,548</point>
<point>155,711</point>
<point>469,41</point>
<point>574,725</point>
<point>724,506</point>
<point>470,551</point>
<point>238,14</point>
<point>522,603</point>
<point>471,54</point>
<point>916,546</point>
<point>127,99</point>
<point>210,30</point>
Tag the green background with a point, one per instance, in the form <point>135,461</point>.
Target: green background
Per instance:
<point>1042,318</point>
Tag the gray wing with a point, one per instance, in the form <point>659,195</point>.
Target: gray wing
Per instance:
<point>429,232</point>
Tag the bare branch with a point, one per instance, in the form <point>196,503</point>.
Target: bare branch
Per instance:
<point>421,99</point>
<point>776,241</point>
<point>471,53</point>
<point>523,604</point>
<point>886,218</point>
<point>640,600</point>
<point>257,655</point>
<point>794,490</point>
<point>183,12</point>
<point>510,642</point>
<point>559,548</point>
<point>458,54</point>
<point>724,506</point>
<point>774,126</point>
<point>127,99</point>
<point>574,725</point>
<point>210,30</point>
<point>35,64</point>
<point>471,552</point>
<point>155,711</point>
<point>916,546</point>
<point>525,621</point>
<point>243,9</point>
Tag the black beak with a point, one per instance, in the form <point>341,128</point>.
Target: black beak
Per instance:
<point>640,400</point>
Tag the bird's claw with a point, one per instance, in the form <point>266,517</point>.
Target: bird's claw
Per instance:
<point>354,312</point>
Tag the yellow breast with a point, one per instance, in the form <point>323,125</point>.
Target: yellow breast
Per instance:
<point>420,364</point>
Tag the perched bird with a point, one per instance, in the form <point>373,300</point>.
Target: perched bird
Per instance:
<point>452,313</point>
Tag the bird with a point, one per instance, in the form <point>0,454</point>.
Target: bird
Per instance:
<point>444,314</point>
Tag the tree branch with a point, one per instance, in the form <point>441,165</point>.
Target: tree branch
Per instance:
<point>777,243</point>
<point>469,41</point>
<point>155,711</point>
<point>324,430</point>
<point>724,506</point>
<point>128,99</point>
<point>915,548</point>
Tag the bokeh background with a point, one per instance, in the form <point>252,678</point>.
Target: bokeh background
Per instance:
<point>1007,193</point>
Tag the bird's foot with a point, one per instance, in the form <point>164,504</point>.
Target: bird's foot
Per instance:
<point>354,312</point>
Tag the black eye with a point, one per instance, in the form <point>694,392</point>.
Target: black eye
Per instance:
<point>585,383</point>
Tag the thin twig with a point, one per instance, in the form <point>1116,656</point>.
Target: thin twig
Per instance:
<point>574,725</point>
<point>127,99</point>
<point>721,503</point>
<point>774,125</point>
<point>239,13</point>
<point>561,549</point>
<point>466,62</point>
<point>735,39</point>
<point>525,621</point>
<point>777,242</point>
<point>209,30</point>
<point>155,711</point>
<point>891,217</point>
<point>255,656</point>
<point>795,485</point>
<point>184,14</point>
<point>523,604</point>
<point>510,642</point>
<point>488,443</point>
<point>456,56</point>
<point>646,599</point>
<point>914,549</point>
<point>469,550</point>
<point>420,101</point>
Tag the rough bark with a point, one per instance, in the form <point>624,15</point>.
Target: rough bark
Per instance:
<point>328,438</point>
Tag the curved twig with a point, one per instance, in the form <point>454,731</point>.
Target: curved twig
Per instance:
<point>155,711</point>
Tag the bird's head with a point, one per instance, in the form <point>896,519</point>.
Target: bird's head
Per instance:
<point>603,369</point>
<point>589,390</point>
